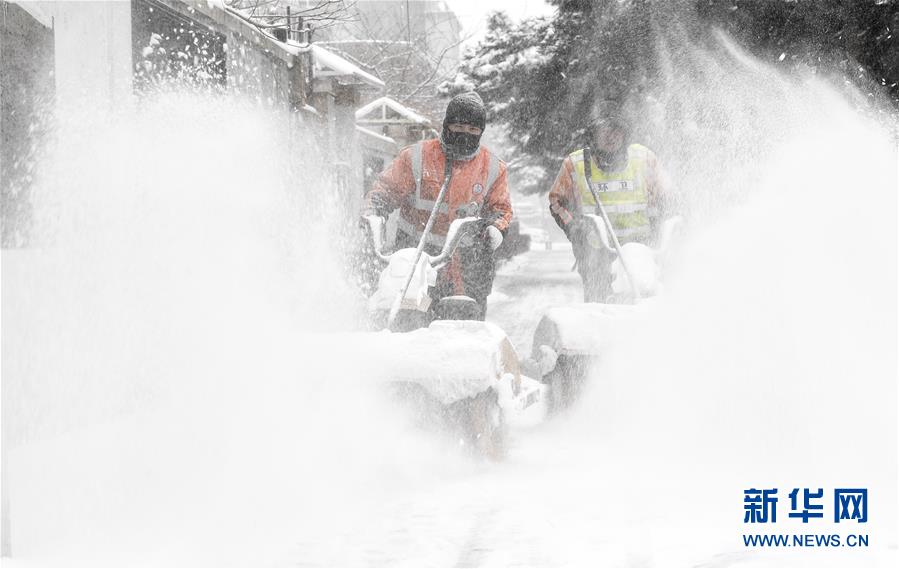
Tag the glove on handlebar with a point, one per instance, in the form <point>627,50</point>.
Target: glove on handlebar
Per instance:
<point>494,237</point>
<point>490,233</point>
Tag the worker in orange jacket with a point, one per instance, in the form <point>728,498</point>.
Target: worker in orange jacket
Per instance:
<point>478,187</point>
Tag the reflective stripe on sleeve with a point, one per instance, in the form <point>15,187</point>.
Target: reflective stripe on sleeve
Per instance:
<point>492,173</point>
<point>418,202</point>
<point>417,152</point>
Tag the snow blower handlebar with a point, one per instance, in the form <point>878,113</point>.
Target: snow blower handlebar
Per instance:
<point>458,229</point>
<point>375,224</point>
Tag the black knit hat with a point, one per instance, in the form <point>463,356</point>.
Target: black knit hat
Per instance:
<point>609,112</point>
<point>466,108</point>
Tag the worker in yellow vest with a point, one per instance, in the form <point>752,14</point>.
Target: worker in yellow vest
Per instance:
<point>631,187</point>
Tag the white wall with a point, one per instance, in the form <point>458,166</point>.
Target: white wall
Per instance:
<point>93,53</point>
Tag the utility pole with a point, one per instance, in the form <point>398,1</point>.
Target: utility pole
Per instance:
<point>5,416</point>
<point>409,24</point>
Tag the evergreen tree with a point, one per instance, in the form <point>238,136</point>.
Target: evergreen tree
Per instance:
<point>540,77</point>
<point>856,37</point>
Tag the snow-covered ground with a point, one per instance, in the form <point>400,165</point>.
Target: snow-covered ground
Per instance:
<point>300,464</point>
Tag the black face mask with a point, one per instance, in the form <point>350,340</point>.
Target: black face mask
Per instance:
<point>460,144</point>
<point>609,161</point>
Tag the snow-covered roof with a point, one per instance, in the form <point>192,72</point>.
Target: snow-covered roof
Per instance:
<point>330,64</point>
<point>37,12</point>
<point>376,112</point>
<point>326,63</point>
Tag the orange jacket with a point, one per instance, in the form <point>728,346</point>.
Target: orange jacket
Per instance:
<point>396,188</point>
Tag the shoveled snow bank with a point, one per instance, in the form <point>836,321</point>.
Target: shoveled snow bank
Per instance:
<point>452,359</point>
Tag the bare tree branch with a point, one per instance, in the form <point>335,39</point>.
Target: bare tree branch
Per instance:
<point>430,79</point>
<point>268,14</point>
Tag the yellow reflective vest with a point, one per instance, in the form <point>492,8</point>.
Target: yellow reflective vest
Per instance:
<point>623,193</point>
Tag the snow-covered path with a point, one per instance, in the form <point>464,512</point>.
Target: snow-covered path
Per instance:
<point>529,283</point>
<point>199,421</point>
<point>571,492</point>
<point>317,472</point>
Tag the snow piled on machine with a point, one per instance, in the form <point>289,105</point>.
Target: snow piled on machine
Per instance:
<point>588,328</point>
<point>452,360</point>
<point>393,278</point>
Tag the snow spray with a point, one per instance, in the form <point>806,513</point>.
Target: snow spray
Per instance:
<point>771,360</point>
<point>178,385</point>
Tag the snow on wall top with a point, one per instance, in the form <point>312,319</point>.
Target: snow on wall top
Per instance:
<point>331,64</point>
<point>375,109</point>
<point>36,11</point>
<point>452,360</point>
